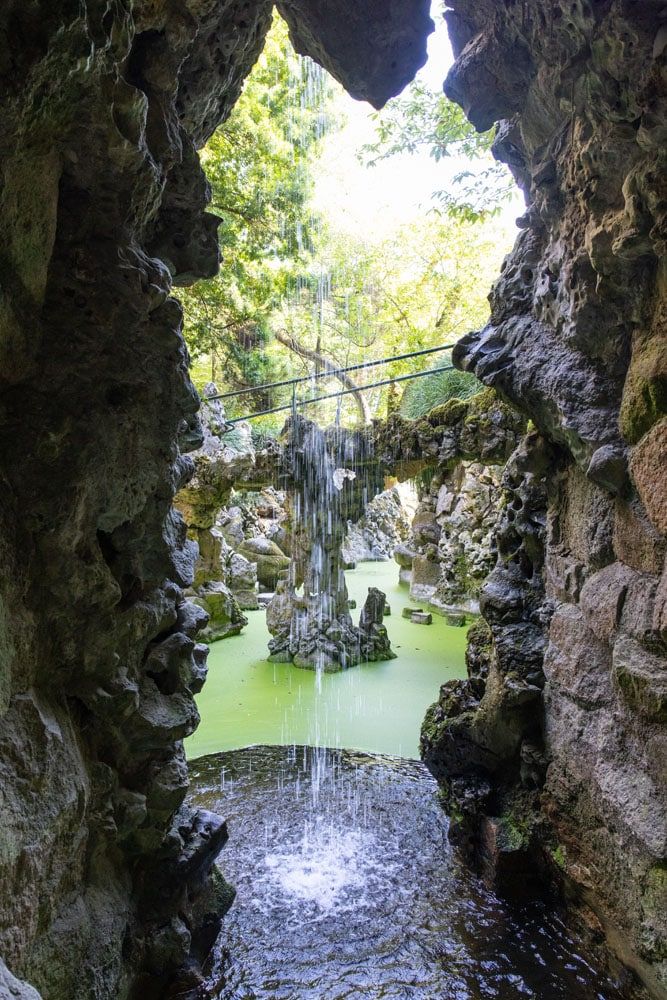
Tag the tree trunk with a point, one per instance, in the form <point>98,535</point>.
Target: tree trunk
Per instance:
<point>328,366</point>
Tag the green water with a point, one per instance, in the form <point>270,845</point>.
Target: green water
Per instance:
<point>376,707</point>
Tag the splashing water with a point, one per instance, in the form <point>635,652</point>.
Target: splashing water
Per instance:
<point>347,890</point>
<point>328,870</point>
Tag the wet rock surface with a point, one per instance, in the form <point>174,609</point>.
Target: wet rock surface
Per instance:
<point>329,476</point>
<point>104,207</point>
<point>561,740</point>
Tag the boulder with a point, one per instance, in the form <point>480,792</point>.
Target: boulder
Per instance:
<point>242,573</point>
<point>225,617</point>
<point>267,556</point>
<point>421,618</point>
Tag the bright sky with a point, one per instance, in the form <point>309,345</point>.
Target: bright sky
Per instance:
<point>373,201</point>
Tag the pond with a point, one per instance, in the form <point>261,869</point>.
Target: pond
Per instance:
<point>376,707</point>
<point>347,889</point>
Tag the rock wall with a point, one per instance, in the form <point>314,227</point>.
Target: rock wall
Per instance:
<point>384,525</point>
<point>564,755</point>
<point>451,548</point>
<point>106,887</point>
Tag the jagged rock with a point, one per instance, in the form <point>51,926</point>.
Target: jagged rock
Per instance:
<point>576,341</point>
<point>649,472</point>
<point>460,510</point>
<point>641,677</point>
<point>225,616</point>
<point>374,639</point>
<point>104,207</point>
<point>12,988</point>
<point>242,573</point>
<point>231,524</point>
<point>383,527</point>
<point>373,50</point>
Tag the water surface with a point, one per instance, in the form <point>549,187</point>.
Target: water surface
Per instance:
<point>348,890</point>
<point>377,707</point>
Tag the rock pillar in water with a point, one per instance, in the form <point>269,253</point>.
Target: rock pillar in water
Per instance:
<point>330,475</point>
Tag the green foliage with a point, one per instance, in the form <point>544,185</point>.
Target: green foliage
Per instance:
<point>418,288</point>
<point>293,276</point>
<point>259,165</point>
<point>422,118</point>
<point>423,394</point>
<point>560,857</point>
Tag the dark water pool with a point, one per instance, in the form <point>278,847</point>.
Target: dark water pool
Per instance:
<point>347,888</point>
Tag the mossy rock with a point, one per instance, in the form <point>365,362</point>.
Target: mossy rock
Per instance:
<point>271,561</point>
<point>644,399</point>
<point>447,414</point>
<point>431,391</point>
<point>480,634</point>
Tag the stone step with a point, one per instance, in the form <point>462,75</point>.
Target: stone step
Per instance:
<point>456,618</point>
<point>421,618</point>
<point>409,612</point>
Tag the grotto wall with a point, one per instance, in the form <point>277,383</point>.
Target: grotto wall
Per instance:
<point>450,548</point>
<point>561,753</point>
<point>107,890</point>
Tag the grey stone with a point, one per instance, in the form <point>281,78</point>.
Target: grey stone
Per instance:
<point>421,618</point>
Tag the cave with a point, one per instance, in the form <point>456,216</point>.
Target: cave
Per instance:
<point>109,888</point>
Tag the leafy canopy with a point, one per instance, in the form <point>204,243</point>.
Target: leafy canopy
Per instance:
<point>296,291</point>
<point>422,118</point>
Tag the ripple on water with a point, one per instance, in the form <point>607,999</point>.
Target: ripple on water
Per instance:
<point>346,888</point>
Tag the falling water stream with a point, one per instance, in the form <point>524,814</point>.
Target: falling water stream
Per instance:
<point>347,888</point>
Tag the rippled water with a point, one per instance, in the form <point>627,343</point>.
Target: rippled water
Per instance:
<point>347,889</point>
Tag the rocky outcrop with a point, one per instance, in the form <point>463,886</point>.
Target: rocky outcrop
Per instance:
<point>329,476</point>
<point>566,746</point>
<point>104,208</point>
<point>384,525</point>
<point>482,429</point>
<point>450,551</point>
<point>373,49</point>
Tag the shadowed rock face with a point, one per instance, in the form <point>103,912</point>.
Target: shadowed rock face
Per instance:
<point>374,49</point>
<point>567,744</point>
<point>103,203</point>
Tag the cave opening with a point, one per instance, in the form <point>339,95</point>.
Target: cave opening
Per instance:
<point>375,256</point>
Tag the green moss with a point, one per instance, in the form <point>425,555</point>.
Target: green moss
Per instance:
<point>559,856</point>
<point>431,726</point>
<point>645,392</point>
<point>480,634</point>
<point>513,835</point>
<point>448,413</point>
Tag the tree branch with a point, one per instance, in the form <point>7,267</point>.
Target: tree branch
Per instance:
<point>328,366</point>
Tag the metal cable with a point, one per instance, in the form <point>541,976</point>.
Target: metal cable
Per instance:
<point>341,392</point>
<point>330,373</point>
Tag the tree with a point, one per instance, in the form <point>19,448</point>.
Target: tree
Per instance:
<point>259,166</point>
<point>422,118</point>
